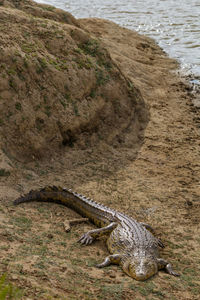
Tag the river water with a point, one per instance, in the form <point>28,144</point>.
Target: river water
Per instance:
<point>174,24</point>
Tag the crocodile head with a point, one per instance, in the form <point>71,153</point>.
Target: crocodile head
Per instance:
<point>140,268</point>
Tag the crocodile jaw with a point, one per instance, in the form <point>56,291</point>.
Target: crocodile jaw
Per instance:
<point>140,268</point>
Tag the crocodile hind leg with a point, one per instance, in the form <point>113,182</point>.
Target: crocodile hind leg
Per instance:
<point>68,223</point>
<point>111,259</point>
<point>88,237</point>
<point>163,264</point>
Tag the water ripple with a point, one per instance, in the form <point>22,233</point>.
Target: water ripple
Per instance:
<point>173,24</point>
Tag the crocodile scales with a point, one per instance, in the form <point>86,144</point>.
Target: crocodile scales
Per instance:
<point>130,243</point>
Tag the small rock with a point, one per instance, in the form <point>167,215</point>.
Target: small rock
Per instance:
<point>50,236</point>
<point>98,253</point>
<point>112,275</point>
<point>189,203</point>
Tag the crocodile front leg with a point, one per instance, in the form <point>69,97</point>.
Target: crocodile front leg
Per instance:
<point>111,259</point>
<point>88,237</point>
<point>162,263</point>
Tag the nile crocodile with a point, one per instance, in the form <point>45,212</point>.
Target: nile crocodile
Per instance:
<point>130,243</point>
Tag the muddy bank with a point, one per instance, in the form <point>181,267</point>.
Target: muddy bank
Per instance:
<point>127,136</point>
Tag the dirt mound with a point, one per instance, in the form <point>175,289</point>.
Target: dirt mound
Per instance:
<point>59,85</point>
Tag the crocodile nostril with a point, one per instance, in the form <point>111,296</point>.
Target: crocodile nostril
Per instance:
<point>140,273</point>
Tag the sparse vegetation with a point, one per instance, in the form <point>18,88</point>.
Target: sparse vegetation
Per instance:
<point>4,172</point>
<point>83,62</point>
<point>75,108</point>
<point>101,78</point>
<point>43,62</point>
<point>8,291</point>
<point>93,93</point>
<point>91,47</point>
<point>49,8</point>
<point>18,106</point>
<point>28,47</point>
<point>63,103</point>
<point>48,110</point>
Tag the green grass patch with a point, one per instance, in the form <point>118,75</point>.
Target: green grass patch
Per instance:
<point>22,222</point>
<point>101,78</point>
<point>112,291</point>
<point>75,108</point>
<point>12,83</point>
<point>91,47</point>
<point>48,8</point>
<point>48,110</point>
<point>92,93</point>
<point>28,48</point>
<point>11,72</point>
<point>63,103</point>
<point>8,291</point>
<point>18,106</point>
<point>3,172</point>
<point>43,62</point>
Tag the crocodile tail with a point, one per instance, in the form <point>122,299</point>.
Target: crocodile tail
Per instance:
<point>97,213</point>
<point>45,194</point>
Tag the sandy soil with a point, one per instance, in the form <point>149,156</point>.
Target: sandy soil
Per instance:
<point>140,154</point>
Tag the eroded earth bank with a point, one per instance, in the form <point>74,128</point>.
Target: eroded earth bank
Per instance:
<point>88,105</point>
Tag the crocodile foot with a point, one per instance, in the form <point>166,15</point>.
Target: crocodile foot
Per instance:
<point>162,263</point>
<point>86,239</point>
<point>170,270</point>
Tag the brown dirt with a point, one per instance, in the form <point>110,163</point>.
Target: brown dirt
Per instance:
<point>72,96</point>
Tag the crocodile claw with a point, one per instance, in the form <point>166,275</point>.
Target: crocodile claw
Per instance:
<point>86,239</point>
<point>175,274</point>
<point>160,244</point>
<point>99,265</point>
<point>170,270</point>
